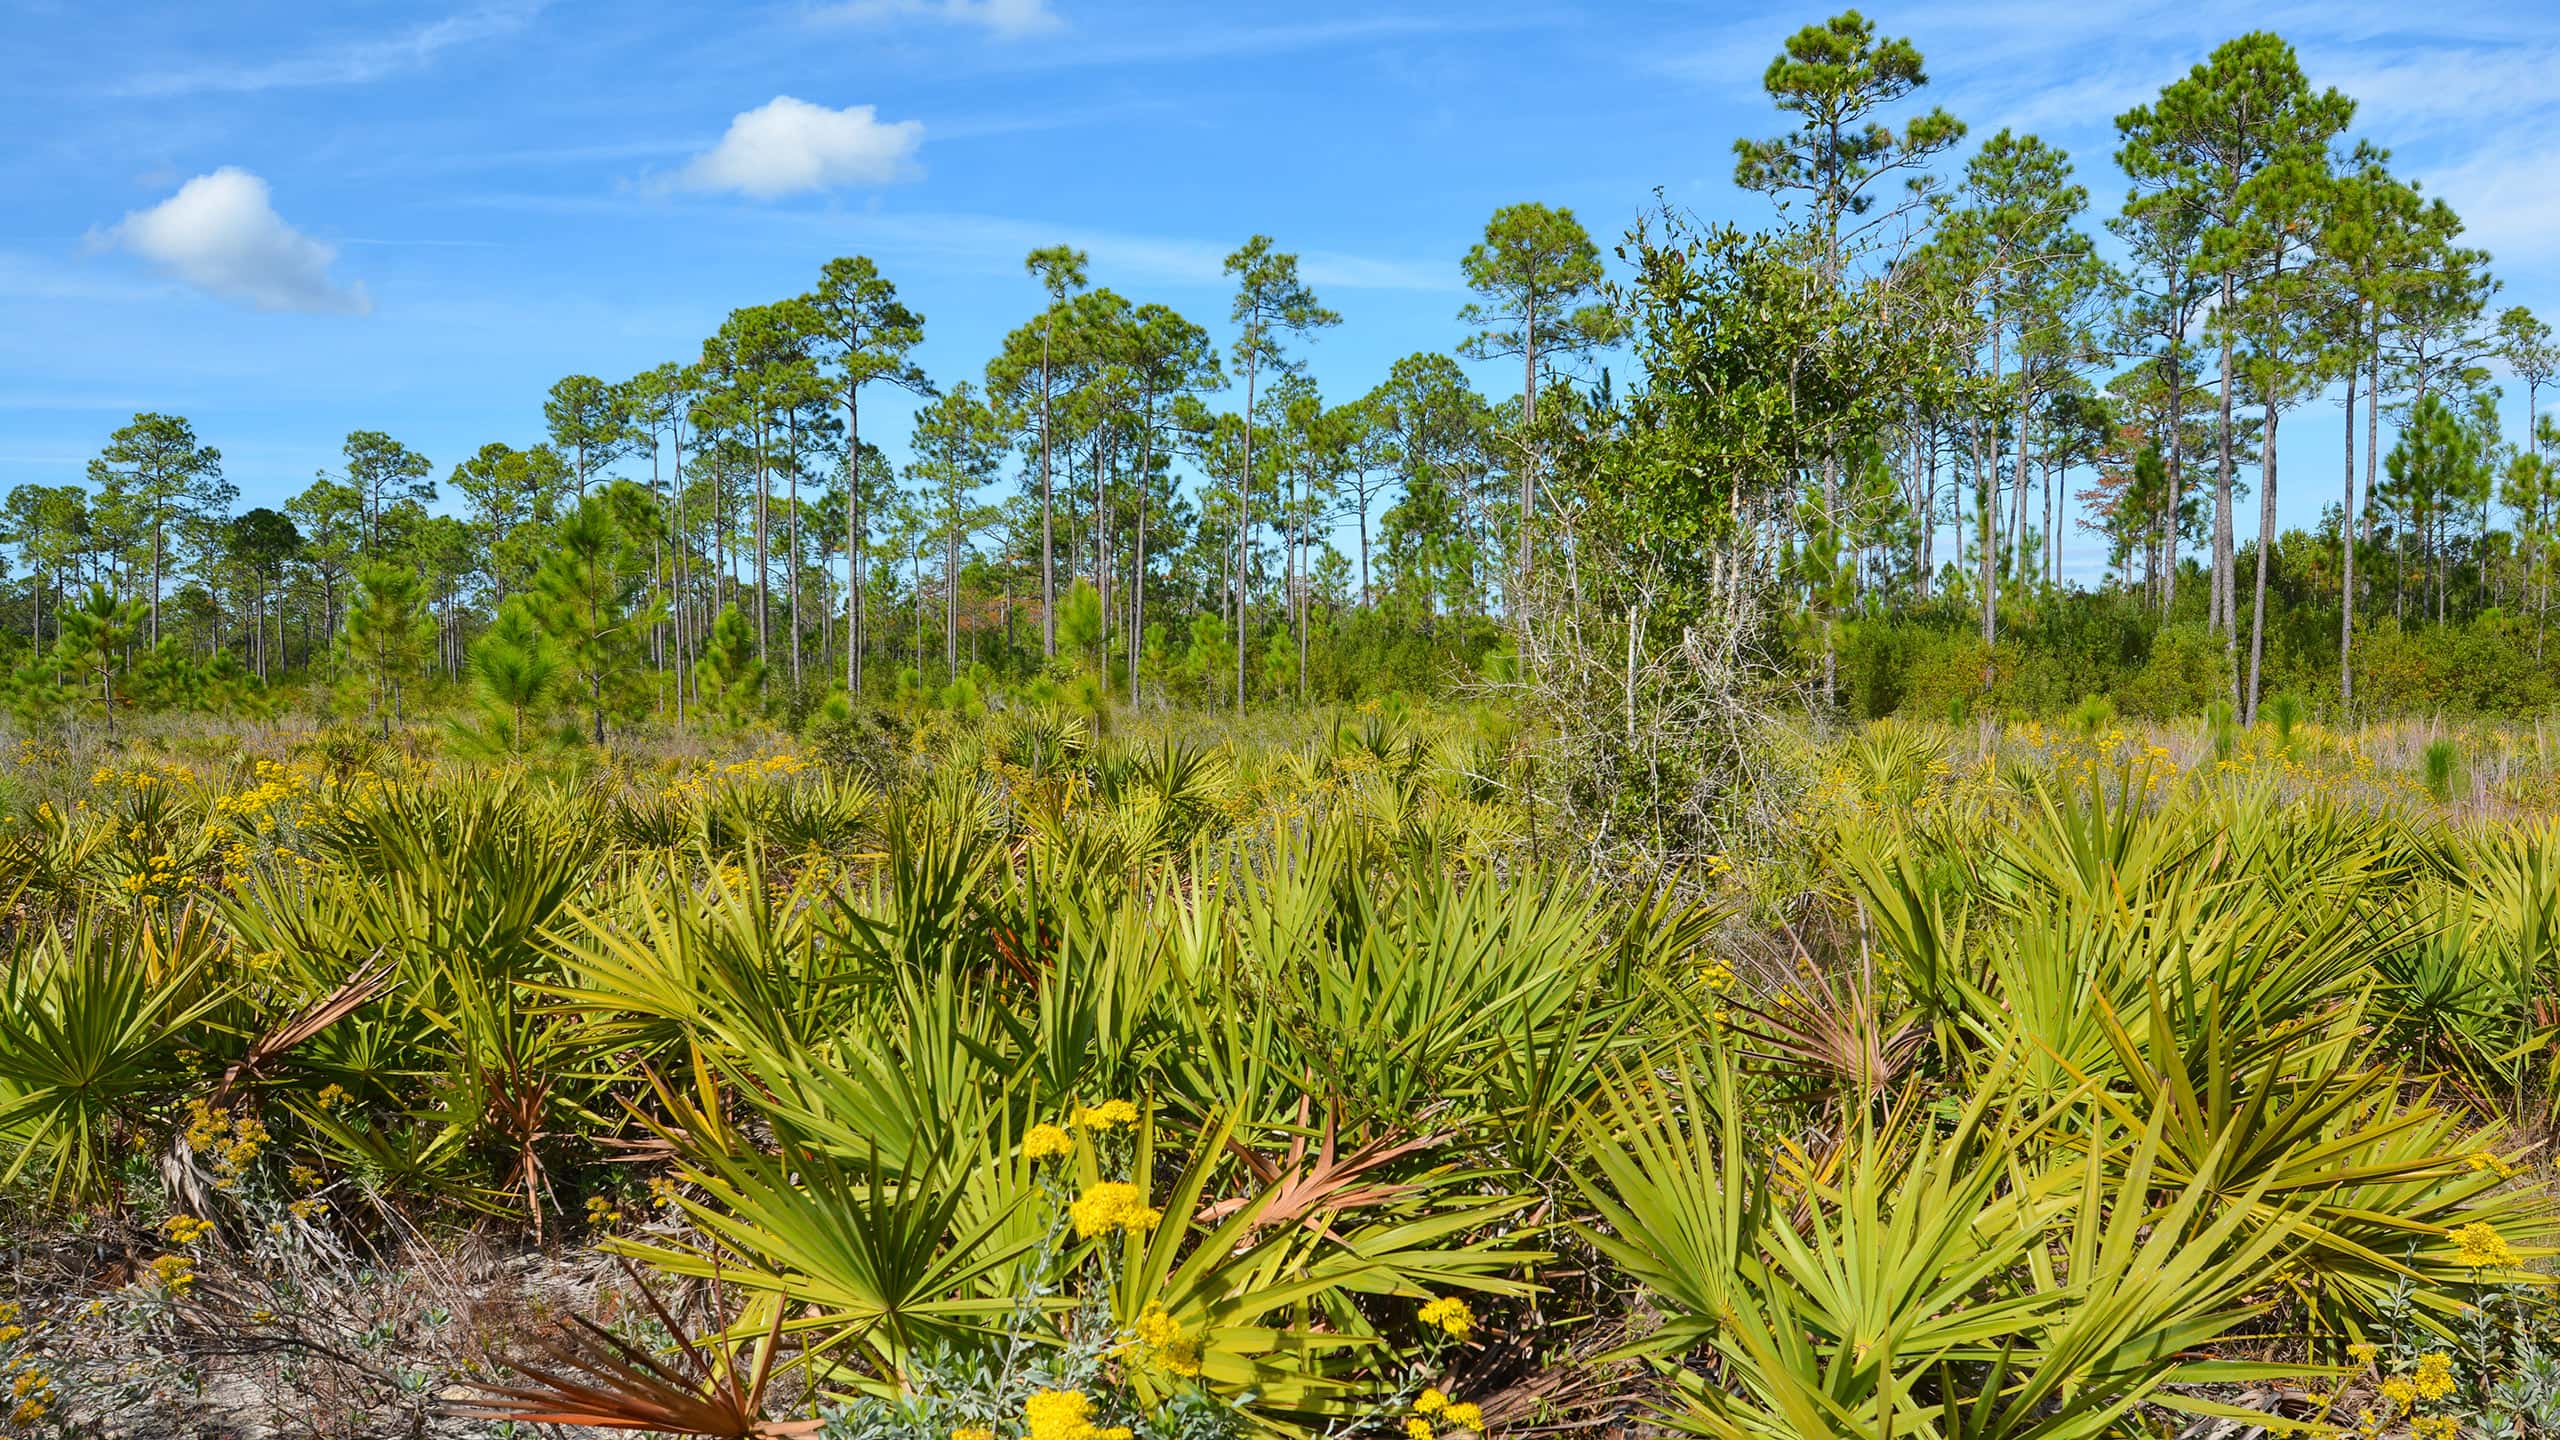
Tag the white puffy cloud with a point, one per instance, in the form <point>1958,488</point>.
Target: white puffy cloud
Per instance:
<point>1006,19</point>
<point>220,234</point>
<point>788,145</point>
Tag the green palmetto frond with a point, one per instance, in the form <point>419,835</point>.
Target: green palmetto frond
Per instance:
<point>98,1031</point>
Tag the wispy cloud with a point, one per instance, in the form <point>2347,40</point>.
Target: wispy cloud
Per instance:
<point>1005,19</point>
<point>2505,198</point>
<point>28,277</point>
<point>1220,42</point>
<point>976,243</point>
<point>2450,90</point>
<point>354,62</point>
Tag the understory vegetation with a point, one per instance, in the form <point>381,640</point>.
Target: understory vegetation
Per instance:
<point>1009,1078</point>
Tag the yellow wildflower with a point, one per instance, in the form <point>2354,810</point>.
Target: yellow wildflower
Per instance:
<point>1417,1428</point>
<point>1047,1142</point>
<point>1466,1417</point>
<point>1058,1415</point>
<point>2363,1351</point>
<point>2479,1245</point>
<point>1450,1315</point>
<point>2435,1375</point>
<point>2400,1391</point>
<point>1432,1402</point>
<point>1111,1205</point>
<point>176,1273</point>
<point>185,1229</point>
<point>2435,1427</point>
<point>1109,1115</point>
<point>973,1432</point>
<point>1160,1342</point>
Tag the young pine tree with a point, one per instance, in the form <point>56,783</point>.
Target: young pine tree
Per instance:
<point>516,665</point>
<point>390,634</point>
<point>94,634</point>
<point>589,598</point>
<point>729,676</point>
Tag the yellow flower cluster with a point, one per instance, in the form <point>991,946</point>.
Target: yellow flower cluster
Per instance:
<point>254,808</point>
<point>1450,1316</point>
<point>141,777</point>
<point>1455,1414</point>
<point>1065,1415</point>
<point>233,1142</point>
<point>602,1213</point>
<point>30,1393</point>
<point>2435,1427</point>
<point>1158,1340</point>
<point>973,1432</point>
<point>333,1096</point>
<point>1112,1205</point>
<point>1109,1115</point>
<point>185,1229</point>
<point>307,1209</point>
<point>2479,1245</point>
<point>157,877</point>
<point>1047,1142</point>
<point>175,1273</point>
<point>2435,1376</point>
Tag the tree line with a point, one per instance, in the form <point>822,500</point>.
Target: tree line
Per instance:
<point>1887,406</point>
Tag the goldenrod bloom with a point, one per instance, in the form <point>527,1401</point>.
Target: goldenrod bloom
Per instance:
<point>1160,1342</point>
<point>1450,1315</point>
<point>1058,1415</point>
<point>2479,1246</point>
<point>1109,1115</point>
<point>1064,1415</point>
<point>1112,1205</point>
<point>1047,1142</point>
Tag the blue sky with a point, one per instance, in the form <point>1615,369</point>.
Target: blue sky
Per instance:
<point>287,221</point>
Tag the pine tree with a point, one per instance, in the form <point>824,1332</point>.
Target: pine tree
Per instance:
<point>516,665</point>
<point>588,597</point>
<point>95,635</point>
<point>864,333</point>
<point>729,677</point>
<point>1537,277</point>
<point>389,636</point>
